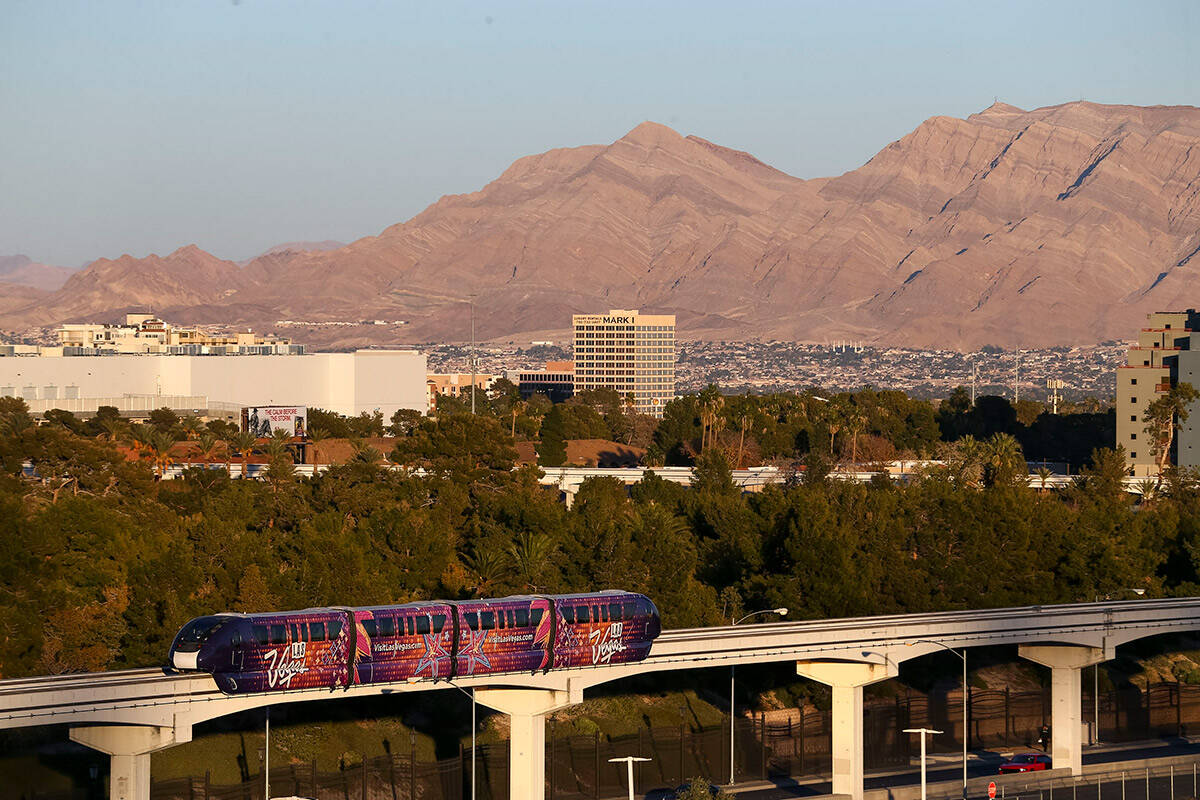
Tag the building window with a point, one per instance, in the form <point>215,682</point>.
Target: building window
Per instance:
<point>1133,436</point>
<point>1133,454</point>
<point>1133,399</point>
<point>1133,417</point>
<point>1133,382</point>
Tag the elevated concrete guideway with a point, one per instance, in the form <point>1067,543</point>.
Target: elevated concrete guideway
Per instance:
<point>132,713</point>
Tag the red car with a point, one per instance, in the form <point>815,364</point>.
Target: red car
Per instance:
<point>1025,762</point>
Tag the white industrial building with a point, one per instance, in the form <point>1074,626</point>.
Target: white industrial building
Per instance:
<point>348,383</point>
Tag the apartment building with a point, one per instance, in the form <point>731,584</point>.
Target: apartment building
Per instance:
<point>1152,366</point>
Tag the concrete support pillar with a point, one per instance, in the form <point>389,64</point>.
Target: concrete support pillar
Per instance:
<point>129,748</point>
<point>1066,698</point>
<point>527,710</point>
<point>847,680</point>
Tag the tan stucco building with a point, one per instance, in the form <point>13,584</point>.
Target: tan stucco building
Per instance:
<point>1148,372</point>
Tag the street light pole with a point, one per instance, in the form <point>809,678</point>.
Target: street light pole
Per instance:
<point>781,612</point>
<point>629,762</point>
<point>267,758</point>
<point>472,354</point>
<point>965,705</point>
<point>923,732</point>
<point>473,730</point>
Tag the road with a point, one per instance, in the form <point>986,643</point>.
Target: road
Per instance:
<point>1135,787</point>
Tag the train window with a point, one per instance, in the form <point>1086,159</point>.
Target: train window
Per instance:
<point>260,634</point>
<point>439,622</point>
<point>614,612</point>
<point>370,627</point>
<point>472,620</point>
<point>296,635</point>
<point>581,614</point>
<point>335,629</point>
<point>512,622</point>
<point>387,626</point>
<point>535,616</point>
<point>487,620</point>
<point>602,616</point>
<point>423,624</point>
<point>278,634</point>
<point>630,611</point>
<point>316,631</point>
<point>522,617</point>
<point>500,619</point>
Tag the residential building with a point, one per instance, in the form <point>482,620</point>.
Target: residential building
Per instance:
<point>455,384</point>
<point>630,352</point>
<point>145,333</point>
<point>1152,366</point>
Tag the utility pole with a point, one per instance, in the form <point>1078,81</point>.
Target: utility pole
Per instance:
<point>1053,384</point>
<point>473,354</point>
<point>1017,379</point>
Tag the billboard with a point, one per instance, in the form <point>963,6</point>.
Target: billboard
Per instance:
<point>262,420</point>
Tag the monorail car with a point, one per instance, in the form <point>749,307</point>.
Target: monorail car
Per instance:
<point>342,647</point>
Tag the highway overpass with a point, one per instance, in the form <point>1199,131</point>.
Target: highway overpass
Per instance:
<point>568,479</point>
<point>132,713</point>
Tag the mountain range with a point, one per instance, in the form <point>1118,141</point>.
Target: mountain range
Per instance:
<point>1059,226</point>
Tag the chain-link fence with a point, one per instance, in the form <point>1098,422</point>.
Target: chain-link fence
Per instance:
<point>792,743</point>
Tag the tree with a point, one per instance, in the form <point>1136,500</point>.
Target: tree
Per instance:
<point>160,444</point>
<point>163,419</point>
<point>552,449</point>
<point>1162,416</point>
<point>315,437</point>
<point>243,442</point>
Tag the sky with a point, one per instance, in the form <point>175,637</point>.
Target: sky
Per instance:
<point>140,127</point>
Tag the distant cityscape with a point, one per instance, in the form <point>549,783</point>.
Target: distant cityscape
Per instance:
<point>740,367</point>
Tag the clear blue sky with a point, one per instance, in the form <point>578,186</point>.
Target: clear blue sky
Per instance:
<point>142,126</point>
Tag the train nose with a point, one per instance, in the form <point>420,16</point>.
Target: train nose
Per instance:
<point>184,660</point>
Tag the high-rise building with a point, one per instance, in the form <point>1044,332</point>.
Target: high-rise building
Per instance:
<point>630,352</point>
<point>1151,367</point>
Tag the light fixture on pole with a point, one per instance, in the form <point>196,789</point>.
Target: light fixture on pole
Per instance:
<point>965,723</point>
<point>470,694</point>
<point>1096,675</point>
<point>267,757</point>
<point>473,361</point>
<point>923,732</point>
<point>629,763</point>
<point>781,612</point>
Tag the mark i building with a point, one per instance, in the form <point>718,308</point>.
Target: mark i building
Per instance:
<point>630,352</point>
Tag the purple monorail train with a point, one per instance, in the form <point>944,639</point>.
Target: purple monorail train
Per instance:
<point>341,647</point>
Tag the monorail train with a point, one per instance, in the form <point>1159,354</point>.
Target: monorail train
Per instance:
<point>342,647</point>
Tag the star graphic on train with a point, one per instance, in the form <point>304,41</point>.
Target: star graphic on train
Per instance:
<point>434,651</point>
<point>472,649</point>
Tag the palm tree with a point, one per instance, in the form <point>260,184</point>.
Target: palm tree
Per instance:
<point>517,407</point>
<point>315,437</point>
<point>1003,459</point>
<point>531,554</point>
<point>191,426</point>
<point>113,428</point>
<point>1043,475</point>
<point>488,565</point>
<point>207,443</point>
<point>243,442</point>
<point>365,453</point>
<point>159,444</point>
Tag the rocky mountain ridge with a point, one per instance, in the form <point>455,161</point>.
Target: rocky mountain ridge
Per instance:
<point>1059,226</point>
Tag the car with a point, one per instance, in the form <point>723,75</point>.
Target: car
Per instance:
<point>1025,762</point>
